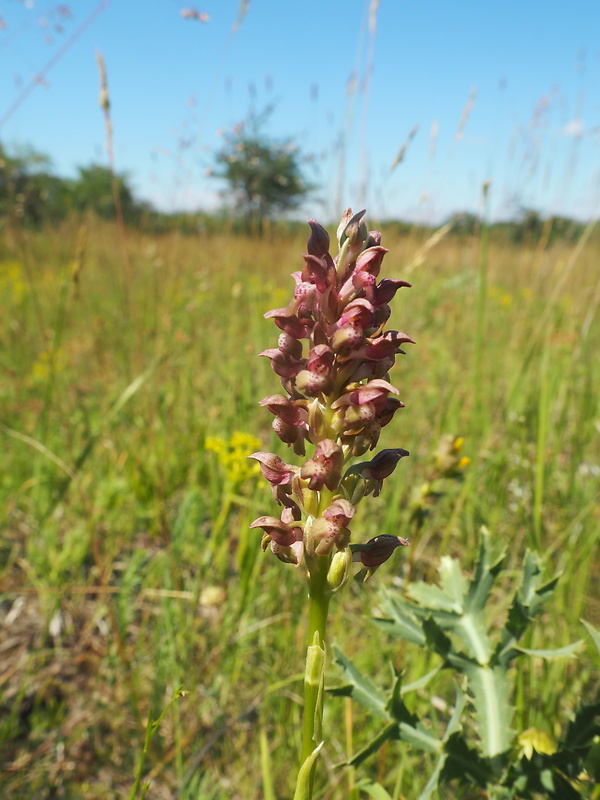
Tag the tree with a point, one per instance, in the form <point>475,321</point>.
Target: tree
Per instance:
<point>93,190</point>
<point>28,190</point>
<point>264,176</point>
<point>464,223</point>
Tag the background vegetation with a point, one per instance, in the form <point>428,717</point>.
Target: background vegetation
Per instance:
<point>127,567</point>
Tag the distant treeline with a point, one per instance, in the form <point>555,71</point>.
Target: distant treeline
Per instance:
<point>32,196</point>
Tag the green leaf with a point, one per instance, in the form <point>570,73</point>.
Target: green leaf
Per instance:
<point>584,728</point>
<point>406,629</point>
<point>485,575</point>
<point>389,733</point>
<point>442,645</point>
<point>358,687</point>
<point>402,621</point>
<point>434,598</point>
<point>419,737</point>
<point>453,728</point>
<point>527,602</point>
<point>420,683</point>
<point>458,608</point>
<point>568,651</point>
<point>465,764</point>
<point>453,581</point>
<point>533,593</point>
<point>373,789</point>
<point>266,765</point>
<point>303,788</point>
<point>455,720</point>
<point>432,783</point>
<point>593,633</point>
<point>493,711</point>
<point>471,628</point>
<point>396,706</point>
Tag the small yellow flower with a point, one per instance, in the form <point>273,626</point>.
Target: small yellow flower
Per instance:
<point>47,362</point>
<point>232,456</point>
<point>533,740</point>
<point>448,461</point>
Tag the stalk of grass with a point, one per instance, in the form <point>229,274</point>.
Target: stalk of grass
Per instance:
<point>105,106</point>
<point>266,767</point>
<point>152,727</point>
<point>480,338</point>
<point>540,461</point>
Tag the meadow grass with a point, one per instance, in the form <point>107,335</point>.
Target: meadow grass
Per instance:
<point>128,569</point>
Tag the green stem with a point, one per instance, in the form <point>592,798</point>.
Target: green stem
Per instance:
<point>319,596</point>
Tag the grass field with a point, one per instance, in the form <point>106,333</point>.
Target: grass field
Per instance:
<point>127,568</point>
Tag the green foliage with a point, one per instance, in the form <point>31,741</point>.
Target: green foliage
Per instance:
<point>94,191</point>
<point>457,620</point>
<point>28,190</point>
<point>126,576</point>
<point>264,176</point>
<point>31,194</point>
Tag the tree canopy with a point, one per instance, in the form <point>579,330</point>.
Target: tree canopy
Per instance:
<point>264,175</point>
<point>31,193</point>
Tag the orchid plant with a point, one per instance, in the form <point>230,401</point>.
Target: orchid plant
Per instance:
<point>337,399</point>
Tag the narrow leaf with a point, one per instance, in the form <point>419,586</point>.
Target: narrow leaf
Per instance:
<point>419,737</point>
<point>485,575</point>
<point>402,622</point>
<point>358,686</point>
<point>374,790</point>
<point>432,783</point>
<point>420,683</point>
<point>389,733</point>
<point>266,767</point>
<point>303,788</point>
<point>593,633</point>
<point>455,720</point>
<point>405,629</point>
<point>568,651</point>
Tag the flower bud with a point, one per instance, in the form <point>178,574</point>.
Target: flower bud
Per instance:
<point>339,570</point>
<point>317,423</point>
<point>374,239</point>
<point>346,217</point>
<point>355,232</point>
<point>352,241</point>
<point>318,241</point>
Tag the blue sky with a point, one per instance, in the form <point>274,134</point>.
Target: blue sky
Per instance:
<point>530,67</point>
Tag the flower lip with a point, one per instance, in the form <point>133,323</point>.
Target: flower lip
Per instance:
<point>288,322</point>
<point>377,551</point>
<point>280,532</point>
<point>274,469</point>
<point>374,391</point>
